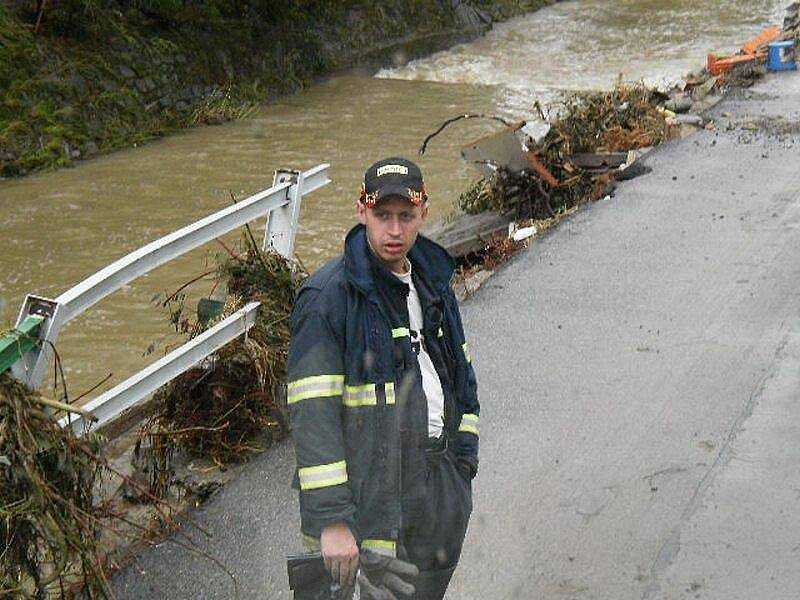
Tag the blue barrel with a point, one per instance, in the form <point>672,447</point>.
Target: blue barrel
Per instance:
<point>781,56</point>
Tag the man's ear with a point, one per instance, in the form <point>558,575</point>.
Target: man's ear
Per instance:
<point>424,213</point>
<point>361,212</point>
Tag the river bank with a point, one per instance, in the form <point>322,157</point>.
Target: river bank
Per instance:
<point>87,77</point>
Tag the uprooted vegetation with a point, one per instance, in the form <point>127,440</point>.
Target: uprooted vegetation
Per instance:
<point>60,509</point>
<point>49,518</point>
<point>626,118</point>
<point>233,404</point>
<point>61,516</point>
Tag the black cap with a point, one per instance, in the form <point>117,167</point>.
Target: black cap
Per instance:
<point>393,177</point>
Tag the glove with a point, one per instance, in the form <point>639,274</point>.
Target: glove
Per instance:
<point>467,469</point>
<point>384,577</point>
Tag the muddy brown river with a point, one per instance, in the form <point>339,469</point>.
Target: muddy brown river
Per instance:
<point>60,227</point>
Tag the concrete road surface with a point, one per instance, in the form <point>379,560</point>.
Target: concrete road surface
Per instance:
<point>639,370</point>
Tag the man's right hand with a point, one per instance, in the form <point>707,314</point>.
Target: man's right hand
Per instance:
<point>340,552</point>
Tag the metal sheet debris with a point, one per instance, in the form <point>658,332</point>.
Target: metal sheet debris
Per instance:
<point>501,149</point>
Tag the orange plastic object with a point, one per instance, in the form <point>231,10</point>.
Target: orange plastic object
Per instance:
<point>717,65</point>
<point>770,35</point>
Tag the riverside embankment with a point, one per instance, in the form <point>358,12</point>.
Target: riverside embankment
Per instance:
<point>84,77</point>
<point>636,369</point>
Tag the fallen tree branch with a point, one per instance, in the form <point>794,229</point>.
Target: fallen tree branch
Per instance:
<point>459,118</point>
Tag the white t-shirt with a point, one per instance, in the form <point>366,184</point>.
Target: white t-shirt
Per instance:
<point>431,384</point>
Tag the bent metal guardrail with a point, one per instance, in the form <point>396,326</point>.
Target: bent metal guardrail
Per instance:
<point>28,350</point>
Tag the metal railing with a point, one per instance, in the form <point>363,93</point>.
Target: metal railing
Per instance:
<point>45,317</point>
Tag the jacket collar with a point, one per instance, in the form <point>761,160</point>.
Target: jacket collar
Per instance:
<point>426,256</point>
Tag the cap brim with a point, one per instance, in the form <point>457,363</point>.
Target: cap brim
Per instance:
<point>388,191</point>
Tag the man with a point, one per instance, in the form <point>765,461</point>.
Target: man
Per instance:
<point>382,394</point>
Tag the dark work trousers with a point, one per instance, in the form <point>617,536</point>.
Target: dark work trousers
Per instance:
<point>434,528</point>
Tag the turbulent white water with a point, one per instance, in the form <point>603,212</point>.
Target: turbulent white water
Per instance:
<point>589,44</point>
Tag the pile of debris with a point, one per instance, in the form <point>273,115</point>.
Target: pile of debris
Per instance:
<point>586,148</point>
<point>592,134</point>
<point>791,23</point>
<point>594,140</point>
<point>49,517</point>
<point>234,403</point>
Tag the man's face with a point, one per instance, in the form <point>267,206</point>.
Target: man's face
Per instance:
<point>392,228</point>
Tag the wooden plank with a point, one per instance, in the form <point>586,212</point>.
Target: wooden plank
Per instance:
<point>539,167</point>
<point>598,160</point>
<point>14,345</point>
<point>468,233</point>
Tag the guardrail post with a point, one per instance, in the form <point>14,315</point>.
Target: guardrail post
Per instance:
<point>282,224</point>
<point>31,368</point>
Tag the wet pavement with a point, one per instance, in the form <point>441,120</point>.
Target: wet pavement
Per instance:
<point>639,370</point>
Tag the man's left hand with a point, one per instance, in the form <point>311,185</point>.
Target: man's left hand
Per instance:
<point>384,577</point>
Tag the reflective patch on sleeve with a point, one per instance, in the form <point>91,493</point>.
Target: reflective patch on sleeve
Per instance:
<point>401,332</point>
<point>320,476</point>
<point>385,547</point>
<point>469,423</point>
<point>360,395</point>
<point>389,391</point>
<point>465,348</point>
<point>311,543</point>
<point>440,333</point>
<point>317,386</point>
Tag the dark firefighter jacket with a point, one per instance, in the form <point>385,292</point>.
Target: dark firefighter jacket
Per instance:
<point>358,410</point>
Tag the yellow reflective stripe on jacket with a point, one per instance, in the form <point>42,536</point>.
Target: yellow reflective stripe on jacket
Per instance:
<point>389,391</point>
<point>465,348</point>
<point>320,476</point>
<point>360,395</point>
<point>401,332</point>
<point>356,396</point>
<point>311,543</point>
<point>317,386</point>
<point>385,547</point>
<point>469,423</point>
<point>440,333</point>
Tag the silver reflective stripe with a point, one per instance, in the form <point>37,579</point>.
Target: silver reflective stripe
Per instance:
<point>320,476</point>
<point>385,547</point>
<point>469,423</point>
<point>317,386</point>
<point>360,395</point>
<point>466,352</point>
<point>389,391</point>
